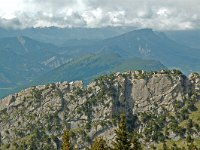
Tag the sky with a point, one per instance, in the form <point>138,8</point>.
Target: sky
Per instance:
<point>156,14</point>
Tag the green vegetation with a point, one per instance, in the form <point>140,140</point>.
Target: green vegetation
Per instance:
<point>181,144</point>
<point>90,67</point>
<point>99,144</point>
<point>122,142</point>
<point>136,145</point>
<point>66,140</point>
<point>159,127</point>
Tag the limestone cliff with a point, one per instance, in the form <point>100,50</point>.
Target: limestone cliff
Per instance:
<point>151,101</point>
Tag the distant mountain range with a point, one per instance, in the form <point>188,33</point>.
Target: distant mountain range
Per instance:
<point>22,59</point>
<point>25,62</point>
<point>150,44</point>
<point>190,38</point>
<point>90,67</point>
<point>66,36</point>
<point>74,36</point>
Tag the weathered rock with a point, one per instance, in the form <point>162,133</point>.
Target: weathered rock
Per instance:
<point>92,111</point>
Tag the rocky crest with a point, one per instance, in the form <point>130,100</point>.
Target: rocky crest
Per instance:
<point>40,114</point>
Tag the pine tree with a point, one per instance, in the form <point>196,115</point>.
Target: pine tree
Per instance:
<point>135,142</point>
<point>153,147</point>
<point>174,147</point>
<point>99,144</point>
<point>33,145</point>
<point>192,147</point>
<point>121,141</point>
<point>189,139</point>
<point>190,143</point>
<point>165,146</point>
<point>66,140</point>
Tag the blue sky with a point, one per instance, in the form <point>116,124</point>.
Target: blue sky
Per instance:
<point>156,14</point>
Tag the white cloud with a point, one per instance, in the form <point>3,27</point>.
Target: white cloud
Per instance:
<point>162,14</point>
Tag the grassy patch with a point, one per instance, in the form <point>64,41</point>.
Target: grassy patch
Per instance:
<point>195,116</point>
<point>180,143</point>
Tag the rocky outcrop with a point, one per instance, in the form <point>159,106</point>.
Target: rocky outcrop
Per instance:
<point>43,112</point>
<point>194,78</point>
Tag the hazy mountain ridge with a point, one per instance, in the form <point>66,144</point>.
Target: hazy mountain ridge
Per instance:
<point>150,44</point>
<point>91,66</point>
<point>190,38</point>
<point>166,97</point>
<point>22,59</point>
<point>144,43</point>
<point>27,60</point>
<point>64,36</point>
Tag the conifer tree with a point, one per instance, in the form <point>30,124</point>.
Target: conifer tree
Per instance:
<point>165,146</point>
<point>174,147</point>
<point>190,143</point>
<point>135,142</point>
<point>192,146</point>
<point>99,144</point>
<point>189,139</point>
<point>33,145</point>
<point>66,140</point>
<point>153,147</point>
<point>121,141</point>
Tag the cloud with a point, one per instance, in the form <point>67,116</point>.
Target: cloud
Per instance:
<point>11,23</point>
<point>160,15</point>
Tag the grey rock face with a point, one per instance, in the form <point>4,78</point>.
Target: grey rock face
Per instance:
<point>92,111</point>
<point>195,80</point>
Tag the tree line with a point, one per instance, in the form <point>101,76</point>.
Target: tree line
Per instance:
<point>123,141</point>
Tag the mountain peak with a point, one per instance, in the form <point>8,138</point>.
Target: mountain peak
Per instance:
<point>141,31</point>
<point>136,33</point>
<point>144,30</point>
